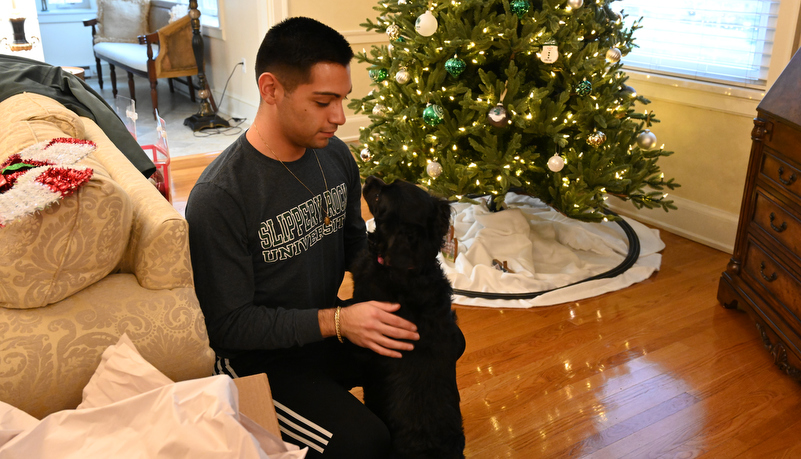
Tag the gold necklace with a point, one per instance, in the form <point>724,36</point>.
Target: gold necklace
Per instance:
<point>326,220</point>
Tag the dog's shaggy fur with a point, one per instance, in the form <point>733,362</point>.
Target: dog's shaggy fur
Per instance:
<point>416,395</point>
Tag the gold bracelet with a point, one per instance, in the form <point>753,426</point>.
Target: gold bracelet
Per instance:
<point>336,324</point>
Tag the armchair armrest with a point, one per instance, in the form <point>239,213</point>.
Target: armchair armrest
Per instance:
<point>149,39</point>
<point>176,56</point>
<point>93,23</point>
<point>175,26</point>
<point>158,250</point>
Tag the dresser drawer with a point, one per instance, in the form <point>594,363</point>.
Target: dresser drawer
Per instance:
<point>783,175</point>
<point>780,223</point>
<point>784,138</point>
<point>782,286</point>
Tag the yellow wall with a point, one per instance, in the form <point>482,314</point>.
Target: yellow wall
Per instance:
<point>341,15</point>
<point>707,126</point>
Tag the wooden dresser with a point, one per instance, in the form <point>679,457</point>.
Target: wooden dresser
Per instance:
<point>764,274</point>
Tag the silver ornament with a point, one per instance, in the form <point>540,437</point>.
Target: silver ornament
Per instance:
<point>556,163</point>
<point>365,154</point>
<point>379,110</point>
<point>434,169</point>
<point>646,140</point>
<point>498,116</point>
<point>575,3</point>
<point>403,76</point>
<point>628,91</point>
<point>390,49</point>
<point>613,55</point>
<point>393,32</point>
<point>596,139</point>
<point>401,2</point>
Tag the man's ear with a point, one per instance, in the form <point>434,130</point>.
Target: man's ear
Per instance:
<point>270,88</point>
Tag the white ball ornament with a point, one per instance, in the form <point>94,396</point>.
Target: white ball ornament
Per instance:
<point>434,169</point>
<point>575,3</point>
<point>498,116</point>
<point>556,163</point>
<point>426,24</point>
<point>365,154</point>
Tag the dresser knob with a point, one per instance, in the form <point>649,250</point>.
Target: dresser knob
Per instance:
<point>770,278</point>
<point>789,181</point>
<point>778,229</point>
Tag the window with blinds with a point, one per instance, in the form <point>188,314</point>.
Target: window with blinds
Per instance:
<point>209,11</point>
<point>712,40</point>
<point>65,4</point>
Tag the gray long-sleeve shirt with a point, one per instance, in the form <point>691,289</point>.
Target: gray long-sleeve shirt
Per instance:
<point>263,260</point>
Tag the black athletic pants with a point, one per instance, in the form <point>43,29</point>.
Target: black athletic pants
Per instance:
<point>310,388</point>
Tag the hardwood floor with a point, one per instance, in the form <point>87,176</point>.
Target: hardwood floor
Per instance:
<point>658,369</point>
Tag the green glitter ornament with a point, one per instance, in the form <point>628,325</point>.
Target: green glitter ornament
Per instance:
<point>378,75</point>
<point>584,88</point>
<point>520,7</point>
<point>455,66</point>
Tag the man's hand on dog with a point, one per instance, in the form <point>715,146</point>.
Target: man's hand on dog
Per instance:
<point>372,325</point>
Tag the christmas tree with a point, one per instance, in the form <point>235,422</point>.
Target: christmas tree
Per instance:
<point>480,97</point>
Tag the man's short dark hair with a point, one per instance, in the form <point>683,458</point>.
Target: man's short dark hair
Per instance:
<point>293,46</point>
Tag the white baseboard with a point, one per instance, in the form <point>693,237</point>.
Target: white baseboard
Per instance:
<point>349,132</point>
<point>235,107</point>
<point>695,221</point>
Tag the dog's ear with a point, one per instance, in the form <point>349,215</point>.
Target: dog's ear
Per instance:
<point>441,221</point>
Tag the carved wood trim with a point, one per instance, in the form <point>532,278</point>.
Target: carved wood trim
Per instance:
<point>761,130</point>
<point>779,353</point>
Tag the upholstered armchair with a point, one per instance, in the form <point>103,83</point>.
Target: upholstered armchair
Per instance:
<point>78,272</point>
<point>136,36</point>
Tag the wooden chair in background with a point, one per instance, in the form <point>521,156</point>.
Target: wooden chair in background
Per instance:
<point>166,52</point>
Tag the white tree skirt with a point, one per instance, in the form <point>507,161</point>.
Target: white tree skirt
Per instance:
<point>544,250</point>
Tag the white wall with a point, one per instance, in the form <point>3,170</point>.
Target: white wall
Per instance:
<point>708,126</point>
<point>76,52</point>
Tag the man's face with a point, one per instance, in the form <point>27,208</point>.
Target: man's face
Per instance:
<point>312,112</point>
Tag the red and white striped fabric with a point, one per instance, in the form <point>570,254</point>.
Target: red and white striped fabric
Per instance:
<point>40,175</point>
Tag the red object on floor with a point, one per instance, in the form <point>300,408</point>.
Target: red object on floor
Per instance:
<point>162,178</point>
<point>160,152</point>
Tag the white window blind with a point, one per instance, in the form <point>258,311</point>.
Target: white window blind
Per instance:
<point>209,12</point>
<point>64,4</point>
<point>208,7</point>
<point>712,40</point>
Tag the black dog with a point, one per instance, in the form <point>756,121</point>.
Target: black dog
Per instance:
<point>416,395</point>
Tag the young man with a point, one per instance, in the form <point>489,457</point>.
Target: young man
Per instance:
<point>274,222</point>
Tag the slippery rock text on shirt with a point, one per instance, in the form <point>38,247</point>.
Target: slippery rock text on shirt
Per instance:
<point>293,232</point>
